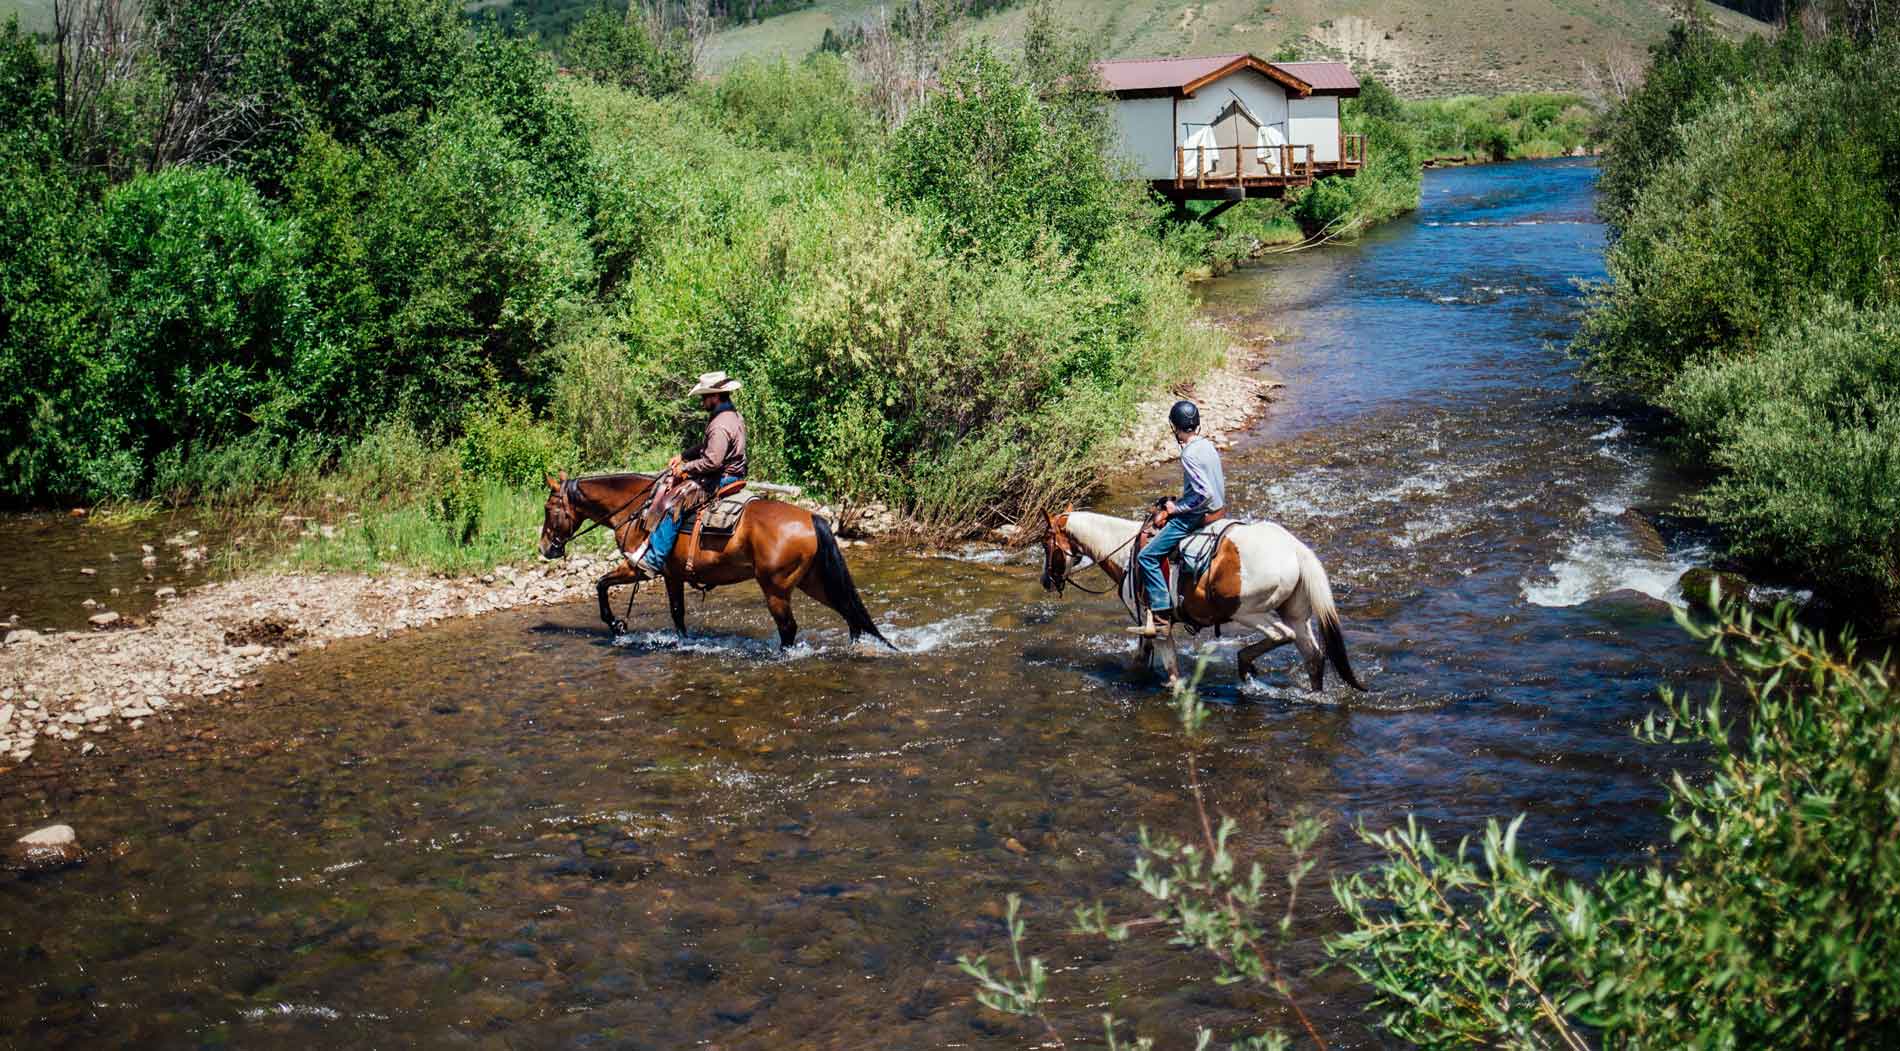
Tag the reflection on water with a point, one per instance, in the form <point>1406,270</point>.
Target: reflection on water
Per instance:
<point>514,832</point>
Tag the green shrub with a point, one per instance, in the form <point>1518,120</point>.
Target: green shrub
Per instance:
<point>444,273</point>
<point>1772,926</point>
<point>59,437</point>
<point>502,443</point>
<point>614,47</point>
<point>364,74</point>
<point>1778,196</point>
<point>997,170</point>
<point>207,307</point>
<point>512,80</point>
<point>1807,433</point>
<point>813,108</point>
<point>1689,69</point>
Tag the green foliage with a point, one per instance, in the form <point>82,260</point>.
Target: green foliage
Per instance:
<point>501,442</point>
<point>364,74</point>
<point>1689,69</point>
<point>1807,433</point>
<point>208,315</point>
<point>1771,928</point>
<point>812,108</point>
<point>1496,128</point>
<point>444,273</point>
<point>1750,237</point>
<point>613,47</point>
<point>58,437</point>
<point>999,170</point>
<point>1724,242</point>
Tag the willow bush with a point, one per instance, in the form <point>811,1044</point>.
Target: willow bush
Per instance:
<point>1753,195</point>
<point>1771,927</point>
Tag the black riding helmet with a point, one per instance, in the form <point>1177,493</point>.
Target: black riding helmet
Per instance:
<point>1185,416</point>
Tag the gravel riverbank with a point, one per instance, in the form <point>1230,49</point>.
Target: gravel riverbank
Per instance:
<point>85,686</point>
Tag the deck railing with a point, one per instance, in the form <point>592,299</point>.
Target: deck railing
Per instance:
<point>1352,150</point>
<point>1265,165</point>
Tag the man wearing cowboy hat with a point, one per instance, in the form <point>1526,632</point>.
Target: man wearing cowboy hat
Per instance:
<point>715,464</point>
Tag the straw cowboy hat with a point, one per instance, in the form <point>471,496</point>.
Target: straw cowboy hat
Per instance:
<point>715,383</point>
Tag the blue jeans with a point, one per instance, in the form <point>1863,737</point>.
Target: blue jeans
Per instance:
<point>667,533</point>
<point>1170,536</point>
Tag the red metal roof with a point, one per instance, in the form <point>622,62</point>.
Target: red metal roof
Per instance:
<point>1148,74</point>
<point>1327,78</point>
<point>1184,75</point>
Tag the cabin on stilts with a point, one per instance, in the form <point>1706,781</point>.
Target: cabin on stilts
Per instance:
<point>1229,127</point>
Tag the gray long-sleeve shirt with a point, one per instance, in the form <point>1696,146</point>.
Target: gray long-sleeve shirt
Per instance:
<point>1203,485</point>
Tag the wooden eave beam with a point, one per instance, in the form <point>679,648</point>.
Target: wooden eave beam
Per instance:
<point>1265,69</point>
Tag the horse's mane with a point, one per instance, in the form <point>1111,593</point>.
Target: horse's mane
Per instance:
<point>1101,534</point>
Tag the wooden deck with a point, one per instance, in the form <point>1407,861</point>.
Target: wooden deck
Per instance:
<point>1239,172</point>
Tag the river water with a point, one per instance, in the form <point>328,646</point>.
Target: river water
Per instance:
<point>511,832</point>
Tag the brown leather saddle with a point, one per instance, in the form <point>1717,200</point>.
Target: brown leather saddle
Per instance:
<point>718,514</point>
<point>1174,571</point>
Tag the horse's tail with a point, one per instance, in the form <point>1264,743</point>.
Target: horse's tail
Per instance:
<point>839,590</point>
<point>1319,595</point>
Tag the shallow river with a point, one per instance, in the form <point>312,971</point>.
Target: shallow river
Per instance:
<point>511,832</point>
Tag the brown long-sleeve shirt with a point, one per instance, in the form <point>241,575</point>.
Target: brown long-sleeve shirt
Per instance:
<point>722,455</point>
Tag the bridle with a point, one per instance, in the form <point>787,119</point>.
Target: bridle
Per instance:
<point>1053,539</point>
<point>571,488</point>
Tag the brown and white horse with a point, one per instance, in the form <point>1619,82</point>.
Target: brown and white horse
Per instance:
<point>1260,577</point>
<point>780,545</point>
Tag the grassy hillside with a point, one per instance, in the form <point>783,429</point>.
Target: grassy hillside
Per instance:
<point>1422,47</point>
<point>36,16</point>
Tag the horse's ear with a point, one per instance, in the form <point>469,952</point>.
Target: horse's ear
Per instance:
<point>1069,510</point>
<point>552,483</point>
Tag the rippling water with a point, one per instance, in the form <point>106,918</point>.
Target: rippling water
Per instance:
<point>514,832</point>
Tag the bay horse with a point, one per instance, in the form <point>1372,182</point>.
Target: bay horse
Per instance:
<point>1260,577</point>
<point>780,545</point>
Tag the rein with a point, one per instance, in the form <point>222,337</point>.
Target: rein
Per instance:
<point>567,494</point>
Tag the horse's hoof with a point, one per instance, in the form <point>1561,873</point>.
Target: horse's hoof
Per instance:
<point>617,628</point>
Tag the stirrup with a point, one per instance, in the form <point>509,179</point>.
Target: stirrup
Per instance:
<point>1151,627</point>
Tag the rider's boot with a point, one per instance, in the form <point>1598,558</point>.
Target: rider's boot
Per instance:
<point>642,571</point>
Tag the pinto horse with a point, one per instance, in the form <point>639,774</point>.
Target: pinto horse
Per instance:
<point>1260,577</point>
<point>782,546</point>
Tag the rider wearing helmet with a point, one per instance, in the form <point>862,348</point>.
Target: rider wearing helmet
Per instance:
<point>1203,496</point>
<point>715,464</point>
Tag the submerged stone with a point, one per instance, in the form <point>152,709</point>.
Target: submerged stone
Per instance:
<point>48,850</point>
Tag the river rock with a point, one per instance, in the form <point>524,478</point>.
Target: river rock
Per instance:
<point>1643,531</point>
<point>1696,582</point>
<point>103,620</point>
<point>165,593</point>
<point>50,849</point>
<point>88,571</point>
<point>22,637</point>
